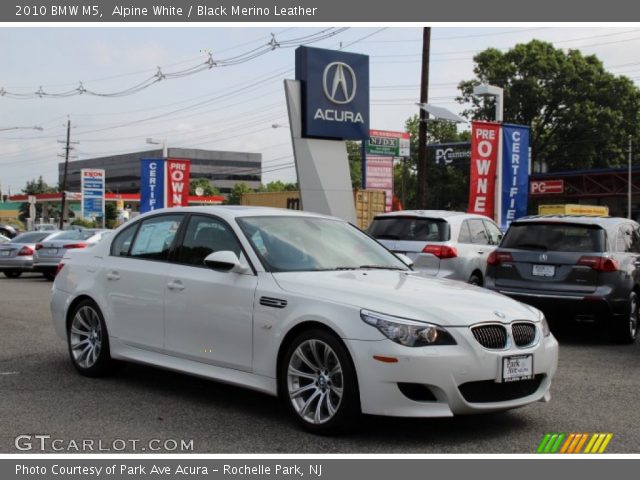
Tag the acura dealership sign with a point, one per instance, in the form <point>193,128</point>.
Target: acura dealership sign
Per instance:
<point>335,93</point>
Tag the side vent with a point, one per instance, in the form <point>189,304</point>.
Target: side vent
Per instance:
<point>273,302</point>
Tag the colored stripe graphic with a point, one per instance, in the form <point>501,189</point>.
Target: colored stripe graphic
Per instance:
<point>574,443</point>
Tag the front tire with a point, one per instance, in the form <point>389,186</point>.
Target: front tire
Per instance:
<point>12,273</point>
<point>318,383</point>
<point>88,340</point>
<point>625,329</point>
<point>475,279</point>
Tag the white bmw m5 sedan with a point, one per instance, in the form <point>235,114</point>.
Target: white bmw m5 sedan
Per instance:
<point>299,305</point>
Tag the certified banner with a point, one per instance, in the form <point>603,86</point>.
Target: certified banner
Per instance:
<point>485,145</point>
<point>515,173</point>
<point>178,182</point>
<point>151,184</point>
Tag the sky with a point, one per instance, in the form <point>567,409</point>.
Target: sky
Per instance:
<point>228,107</point>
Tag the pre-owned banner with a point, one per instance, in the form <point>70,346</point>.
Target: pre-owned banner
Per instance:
<point>177,182</point>
<point>515,173</point>
<point>152,173</point>
<point>485,146</point>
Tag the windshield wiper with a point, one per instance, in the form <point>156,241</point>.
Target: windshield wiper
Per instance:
<point>530,246</point>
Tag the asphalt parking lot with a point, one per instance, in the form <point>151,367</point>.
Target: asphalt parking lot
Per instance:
<point>597,389</point>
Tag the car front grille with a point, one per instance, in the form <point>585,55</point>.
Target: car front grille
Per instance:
<point>488,391</point>
<point>524,333</point>
<point>491,336</point>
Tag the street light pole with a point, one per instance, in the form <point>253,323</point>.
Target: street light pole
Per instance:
<point>153,141</point>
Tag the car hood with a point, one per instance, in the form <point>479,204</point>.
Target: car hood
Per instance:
<point>408,295</point>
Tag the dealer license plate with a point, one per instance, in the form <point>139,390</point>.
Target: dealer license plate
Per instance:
<point>5,253</point>
<point>50,251</point>
<point>544,270</point>
<point>517,368</point>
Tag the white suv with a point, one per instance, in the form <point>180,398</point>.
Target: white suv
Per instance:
<point>440,243</point>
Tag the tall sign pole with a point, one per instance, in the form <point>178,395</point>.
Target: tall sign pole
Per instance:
<point>422,129</point>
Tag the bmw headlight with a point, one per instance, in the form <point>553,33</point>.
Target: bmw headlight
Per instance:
<point>407,332</point>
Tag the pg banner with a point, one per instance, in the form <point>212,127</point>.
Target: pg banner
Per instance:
<point>485,146</point>
<point>164,183</point>
<point>515,173</point>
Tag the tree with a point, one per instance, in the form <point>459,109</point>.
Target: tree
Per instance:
<point>278,186</point>
<point>35,187</point>
<point>237,191</point>
<point>448,186</point>
<point>354,153</point>
<point>207,188</point>
<point>580,114</point>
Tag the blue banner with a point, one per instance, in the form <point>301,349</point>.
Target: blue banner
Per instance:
<point>151,184</point>
<point>335,93</point>
<point>515,173</point>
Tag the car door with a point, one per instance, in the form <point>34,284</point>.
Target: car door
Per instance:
<point>209,313</point>
<point>134,279</point>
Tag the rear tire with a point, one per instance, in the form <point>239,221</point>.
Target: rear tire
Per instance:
<point>625,330</point>
<point>12,273</point>
<point>475,279</point>
<point>88,341</point>
<point>318,384</point>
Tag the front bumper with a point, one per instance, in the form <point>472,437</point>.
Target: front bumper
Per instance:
<point>443,370</point>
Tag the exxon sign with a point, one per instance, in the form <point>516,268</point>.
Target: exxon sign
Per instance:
<point>335,93</point>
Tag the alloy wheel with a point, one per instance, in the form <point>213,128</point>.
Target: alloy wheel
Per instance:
<point>315,381</point>
<point>85,337</point>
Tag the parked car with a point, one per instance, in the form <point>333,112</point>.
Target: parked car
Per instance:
<point>45,227</point>
<point>444,244</point>
<point>16,256</point>
<point>4,239</point>
<point>302,306</point>
<point>50,251</point>
<point>8,230</point>
<point>573,268</point>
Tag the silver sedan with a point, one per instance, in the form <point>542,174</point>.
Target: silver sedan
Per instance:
<point>16,256</point>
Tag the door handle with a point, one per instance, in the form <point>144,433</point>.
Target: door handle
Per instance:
<point>175,285</point>
<point>113,276</point>
<point>481,251</point>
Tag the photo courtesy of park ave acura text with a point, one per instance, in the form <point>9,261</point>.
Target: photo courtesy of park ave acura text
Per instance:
<point>301,238</point>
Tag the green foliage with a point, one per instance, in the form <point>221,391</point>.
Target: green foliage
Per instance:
<point>278,186</point>
<point>237,191</point>
<point>208,189</point>
<point>447,186</point>
<point>354,153</point>
<point>110,215</point>
<point>580,114</point>
<point>34,187</point>
<point>85,223</point>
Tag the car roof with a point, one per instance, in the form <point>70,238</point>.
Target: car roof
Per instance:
<point>605,222</point>
<point>448,215</point>
<point>229,212</point>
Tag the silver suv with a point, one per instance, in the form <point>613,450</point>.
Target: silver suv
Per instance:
<point>440,243</point>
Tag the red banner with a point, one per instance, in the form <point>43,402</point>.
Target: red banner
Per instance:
<point>485,142</point>
<point>177,182</point>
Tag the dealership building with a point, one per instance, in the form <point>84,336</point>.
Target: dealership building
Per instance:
<point>122,172</point>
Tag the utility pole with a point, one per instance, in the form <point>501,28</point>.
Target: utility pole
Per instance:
<point>629,181</point>
<point>67,148</point>
<point>421,194</point>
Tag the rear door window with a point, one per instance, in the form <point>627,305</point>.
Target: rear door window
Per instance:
<point>555,236</point>
<point>155,236</point>
<point>478,232</point>
<point>410,229</point>
<point>495,235</point>
<point>465,234</point>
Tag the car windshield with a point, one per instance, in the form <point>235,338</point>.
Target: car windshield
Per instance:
<point>410,228</point>
<point>289,244</point>
<point>559,237</point>
<point>30,237</point>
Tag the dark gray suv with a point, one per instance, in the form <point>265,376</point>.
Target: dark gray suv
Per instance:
<point>573,268</point>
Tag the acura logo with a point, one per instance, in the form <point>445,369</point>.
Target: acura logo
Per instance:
<point>543,257</point>
<point>339,83</point>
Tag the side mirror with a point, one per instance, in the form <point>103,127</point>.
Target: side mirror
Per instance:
<point>226,261</point>
<point>404,259</point>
